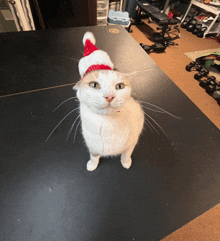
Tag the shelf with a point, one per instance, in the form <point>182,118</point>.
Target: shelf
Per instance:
<point>206,7</point>
<point>212,26</point>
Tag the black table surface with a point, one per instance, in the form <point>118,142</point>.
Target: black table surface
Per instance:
<point>46,193</point>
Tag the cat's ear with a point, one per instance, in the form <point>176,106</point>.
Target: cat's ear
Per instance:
<point>76,86</point>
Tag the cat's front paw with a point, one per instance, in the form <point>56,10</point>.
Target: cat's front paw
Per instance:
<point>126,163</point>
<point>91,165</point>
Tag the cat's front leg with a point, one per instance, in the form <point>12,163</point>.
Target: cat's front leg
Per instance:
<point>93,162</point>
<point>126,158</point>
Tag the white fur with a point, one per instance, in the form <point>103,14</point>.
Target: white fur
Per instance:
<point>88,35</point>
<point>109,129</point>
<point>112,134</point>
<point>96,57</point>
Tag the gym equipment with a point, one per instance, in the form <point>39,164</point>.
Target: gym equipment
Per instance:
<point>193,66</point>
<point>209,83</point>
<point>216,93</point>
<point>185,23</point>
<point>190,20</point>
<point>210,80</point>
<point>203,83</point>
<point>205,10</point>
<point>199,68</point>
<point>191,26</point>
<point>189,67</point>
<point>210,88</point>
<point>166,25</point>
<point>158,48</point>
<point>197,28</point>
<point>201,73</point>
<point>201,32</point>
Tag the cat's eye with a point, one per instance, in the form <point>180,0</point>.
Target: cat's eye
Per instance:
<point>94,85</point>
<point>120,86</point>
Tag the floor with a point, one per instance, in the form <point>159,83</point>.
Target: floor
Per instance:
<point>174,61</point>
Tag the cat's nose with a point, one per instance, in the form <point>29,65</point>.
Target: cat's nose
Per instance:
<point>110,98</point>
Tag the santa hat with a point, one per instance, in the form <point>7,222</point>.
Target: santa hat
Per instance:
<point>93,58</point>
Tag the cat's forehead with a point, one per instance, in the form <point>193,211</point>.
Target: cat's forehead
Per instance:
<point>105,75</point>
<point>111,75</point>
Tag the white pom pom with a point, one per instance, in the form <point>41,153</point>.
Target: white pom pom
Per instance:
<point>89,36</point>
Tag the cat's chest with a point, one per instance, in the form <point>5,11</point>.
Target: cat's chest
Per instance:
<point>103,125</point>
<point>108,135</point>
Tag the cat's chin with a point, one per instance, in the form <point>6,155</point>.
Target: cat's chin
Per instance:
<point>105,111</point>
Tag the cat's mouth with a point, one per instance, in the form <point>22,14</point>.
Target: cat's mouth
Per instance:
<point>108,106</point>
<point>112,105</point>
<point>106,109</point>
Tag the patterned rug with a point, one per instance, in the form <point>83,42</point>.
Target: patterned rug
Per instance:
<point>196,54</point>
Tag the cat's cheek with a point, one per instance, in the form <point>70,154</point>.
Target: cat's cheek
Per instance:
<point>78,94</point>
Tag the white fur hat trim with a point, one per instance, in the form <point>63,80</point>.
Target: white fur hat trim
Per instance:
<point>89,36</point>
<point>96,57</point>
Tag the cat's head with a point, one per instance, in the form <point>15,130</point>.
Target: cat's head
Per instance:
<point>104,91</point>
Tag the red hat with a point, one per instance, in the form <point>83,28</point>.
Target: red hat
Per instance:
<point>93,58</point>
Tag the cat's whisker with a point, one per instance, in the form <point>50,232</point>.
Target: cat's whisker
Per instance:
<point>69,132</point>
<point>147,124</point>
<point>152,109</point>
<point>75,59</point>
<point>160,109</point>
<point>157,124</point>
<point>60,123</point>
<point>135,72</point>
<point>151,125</point>
<point>76,131</point>
<point>64,102</point>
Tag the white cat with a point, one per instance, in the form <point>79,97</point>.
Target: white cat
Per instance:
<point>112,120</point>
